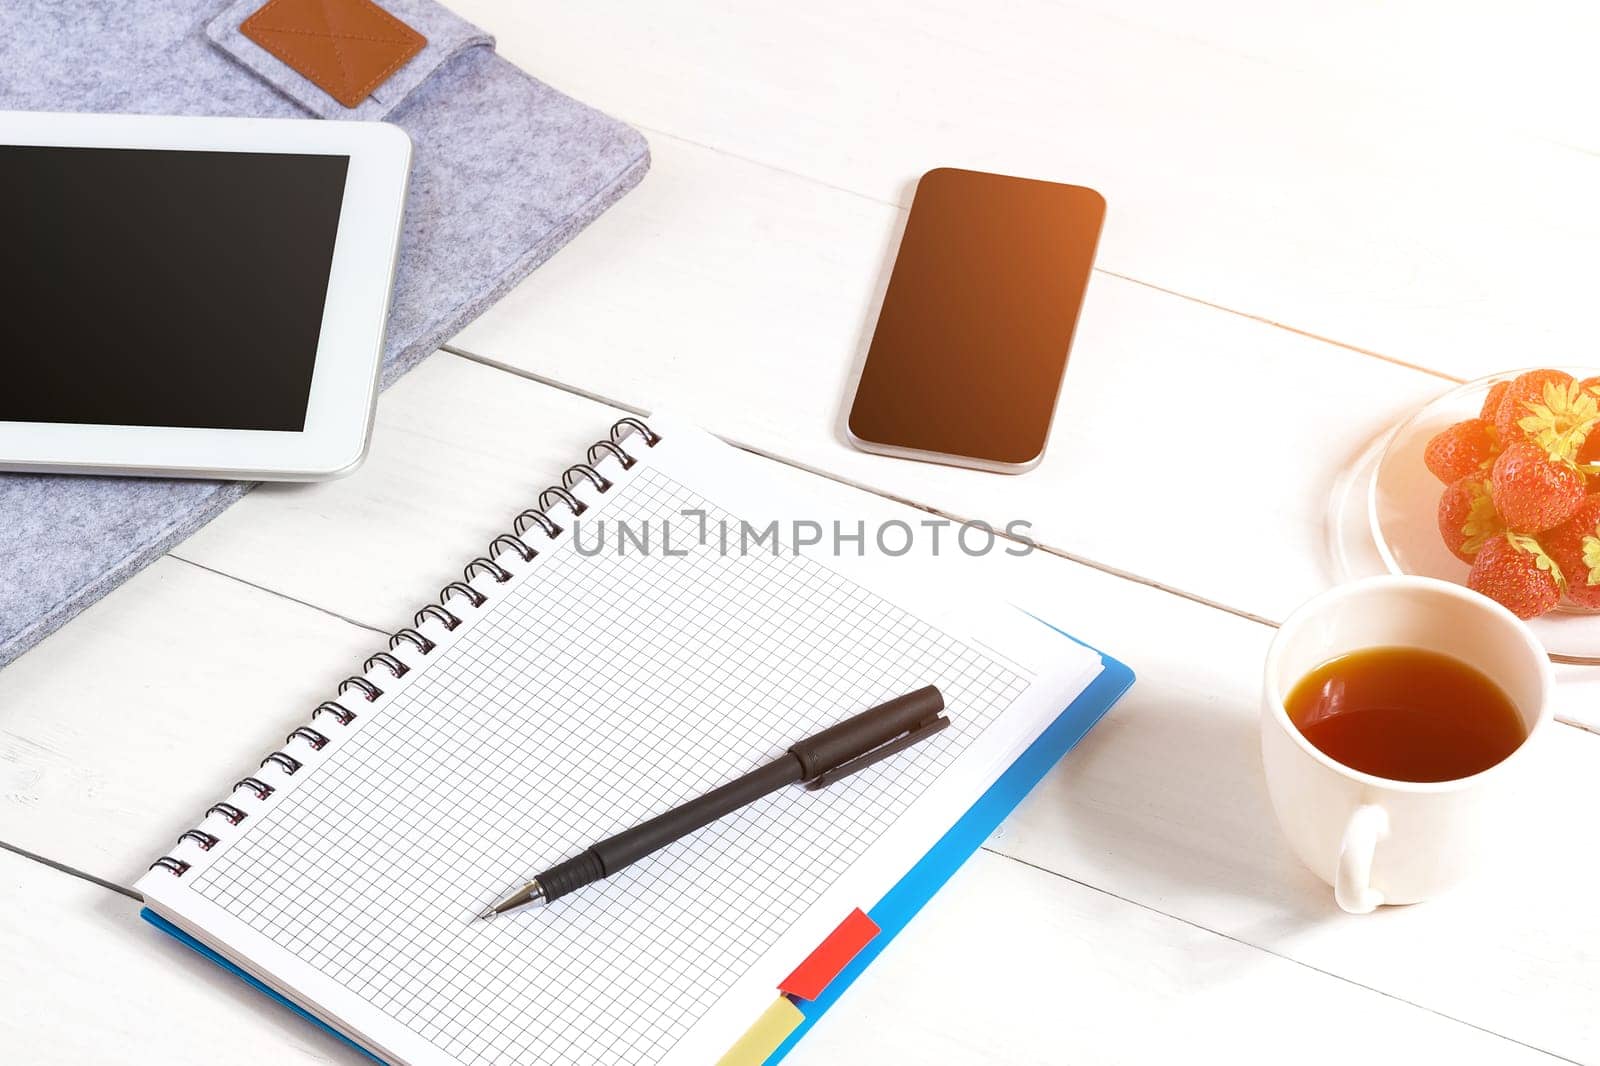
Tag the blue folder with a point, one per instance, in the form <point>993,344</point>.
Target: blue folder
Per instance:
<point>908,895</point>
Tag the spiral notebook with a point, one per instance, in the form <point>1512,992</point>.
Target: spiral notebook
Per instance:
<point>653,628</point>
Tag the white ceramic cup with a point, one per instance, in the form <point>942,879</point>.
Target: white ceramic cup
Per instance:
<point>1377,840</point>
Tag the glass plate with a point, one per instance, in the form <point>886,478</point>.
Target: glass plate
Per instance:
<point>1383,517</point>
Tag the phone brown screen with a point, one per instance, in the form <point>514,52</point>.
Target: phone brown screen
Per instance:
<point>972,340</point>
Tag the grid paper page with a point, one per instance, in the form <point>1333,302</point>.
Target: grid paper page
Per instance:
<point>598,692</point>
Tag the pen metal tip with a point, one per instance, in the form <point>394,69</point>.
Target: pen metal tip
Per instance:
<point>531,892</point>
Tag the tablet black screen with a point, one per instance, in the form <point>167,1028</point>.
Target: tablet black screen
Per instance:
<point>163,288</point>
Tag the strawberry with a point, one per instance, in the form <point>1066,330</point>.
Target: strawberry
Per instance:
<point>1533,492</point>
<point>1514,570</point>
<point>1520,390</point>
<point>1589,453</point>
<point>1465,448</point>
<point>1559,420</point>
<point>1467,517</point>
<point>1575,547</point>
<point>1491,402</point>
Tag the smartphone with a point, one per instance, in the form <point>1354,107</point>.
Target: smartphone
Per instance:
<point>971,344</point>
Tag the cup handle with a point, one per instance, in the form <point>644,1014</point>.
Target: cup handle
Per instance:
<point>1352,885</point>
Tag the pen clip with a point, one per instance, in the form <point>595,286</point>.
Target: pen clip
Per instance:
<point>921,731</point>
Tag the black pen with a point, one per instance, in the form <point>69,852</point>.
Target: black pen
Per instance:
<point>835,753</point>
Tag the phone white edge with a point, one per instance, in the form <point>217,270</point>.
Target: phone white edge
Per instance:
<point>968,462</point>
<point>993,466</point>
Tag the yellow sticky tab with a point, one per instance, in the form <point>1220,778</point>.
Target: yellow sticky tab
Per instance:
<point>762,1039</point>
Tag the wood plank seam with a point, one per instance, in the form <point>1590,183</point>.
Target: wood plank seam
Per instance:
<point>1105,568</point>
<point>1061,553</point>
<point>765,165</point>
<point>1262,320</point>
<point>72,871</point>
<point>281,595</point>
<point>1083,560</point>
<point>1286,958</point>
<point>902,209</point>
<point>131,894</point>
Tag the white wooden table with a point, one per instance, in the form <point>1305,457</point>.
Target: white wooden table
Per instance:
<point>1320,217</point>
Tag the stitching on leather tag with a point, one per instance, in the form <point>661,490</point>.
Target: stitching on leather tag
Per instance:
<point>345,47</point>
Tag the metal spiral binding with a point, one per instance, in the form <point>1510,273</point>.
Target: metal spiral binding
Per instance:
<point>569,479</point>
<point>362,685</point>
<point>516,544</point>
<point>438,614</point>
<point>414,638</point>
<point>396,668</point>
<point>233,814</point>
<point>500,574</point>
<point>573,504</point>
<point>316,739</point>
<point>206,840</point>
<point>340,714</point>
<point>600,449</point>
<point>283,761</point>
<point>261,789</point>
<point>507,544</point>
<point>532,517</point>
<point>474,597</point>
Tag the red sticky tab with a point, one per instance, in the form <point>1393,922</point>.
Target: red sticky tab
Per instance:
<point>831,956</point>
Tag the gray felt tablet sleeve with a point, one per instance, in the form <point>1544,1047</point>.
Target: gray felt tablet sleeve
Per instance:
<point>506,170</point>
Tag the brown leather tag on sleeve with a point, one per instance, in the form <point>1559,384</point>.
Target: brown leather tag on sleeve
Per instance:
<point>347,47</point>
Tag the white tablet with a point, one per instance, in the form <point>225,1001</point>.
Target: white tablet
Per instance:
<point>194,297</point>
